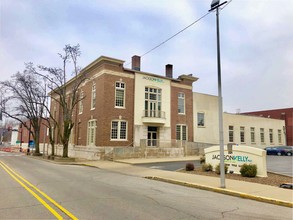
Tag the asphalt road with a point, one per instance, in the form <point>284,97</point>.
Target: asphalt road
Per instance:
<point>92,193</point>
<point>277,164</point>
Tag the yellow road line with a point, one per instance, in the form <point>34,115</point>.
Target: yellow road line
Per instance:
<point>33,193</point>
<point>8,170</point>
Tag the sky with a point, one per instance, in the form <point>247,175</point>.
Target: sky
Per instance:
<point>256,39</point>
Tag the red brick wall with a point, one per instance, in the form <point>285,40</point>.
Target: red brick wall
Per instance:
<point>23,133</point>
<point>176,118</point>
<point>105,110</point>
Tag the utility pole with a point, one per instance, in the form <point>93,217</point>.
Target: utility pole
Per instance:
<point>215,5</point>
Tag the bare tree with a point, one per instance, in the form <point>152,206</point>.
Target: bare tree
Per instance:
<point>23,99</point>
<point>64,93</point>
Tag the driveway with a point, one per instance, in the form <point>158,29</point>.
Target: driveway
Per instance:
<point>276,164</point>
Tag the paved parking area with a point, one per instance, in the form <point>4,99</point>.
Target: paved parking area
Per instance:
<point>280,164</point>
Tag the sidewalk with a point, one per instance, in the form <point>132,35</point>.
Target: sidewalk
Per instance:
<point>254,191</point>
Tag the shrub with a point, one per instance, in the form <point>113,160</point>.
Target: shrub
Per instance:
<point>248,170</point>
<point>218,170</point>
<point>207,167</point>
<point>202,159</point>
<point>189,167</point>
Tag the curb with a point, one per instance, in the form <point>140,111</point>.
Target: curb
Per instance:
<point>86,165</point>
<point>224,191</point>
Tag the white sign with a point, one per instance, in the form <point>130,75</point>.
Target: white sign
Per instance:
<point>239,156</point>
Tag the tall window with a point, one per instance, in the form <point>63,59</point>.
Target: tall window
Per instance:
<point>91,132</point>
<point>252,134</point>
<point>93,100</point>
<point>181,103</point>
<point>262,135</point>
<point>231,134</point>
<point>280,136</point>
<point>152,104</point>
<point>181,132</point>
<point>119,130</point>
<point>80,104</point>
<point>200,119</point>
<point>271,136</point>
<point>242,134</point>
<point>120,94</point>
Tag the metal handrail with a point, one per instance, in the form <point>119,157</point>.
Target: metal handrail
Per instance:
<point>153,114</point>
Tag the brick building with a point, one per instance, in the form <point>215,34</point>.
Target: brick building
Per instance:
<point>24,137</point>
<point>128,107</point>
<point>152,114</point>
<point>283,114</point>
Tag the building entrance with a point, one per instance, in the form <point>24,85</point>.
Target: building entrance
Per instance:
<point>152,136</point>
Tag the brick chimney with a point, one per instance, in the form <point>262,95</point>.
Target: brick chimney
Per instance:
<point>136,62</point>
<point>169,71</point>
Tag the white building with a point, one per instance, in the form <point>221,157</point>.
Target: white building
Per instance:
<point>239,129</point>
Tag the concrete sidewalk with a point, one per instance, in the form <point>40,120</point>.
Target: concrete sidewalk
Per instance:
<point>254,191</point>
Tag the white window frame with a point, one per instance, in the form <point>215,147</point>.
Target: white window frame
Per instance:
<point>271,136</point>
<point>242,134</point>
<point>153,95</point>
<point>91,132</point>
<point>280,136</point>
<point>262,135</point>
<point>201,124</point>
<point>120,86</point>
<point>181,106</point>
<point>118,130</point>
<point>231,133</point>
<point>180,135</point>
<point>93,96</point>
<point>252,134</point>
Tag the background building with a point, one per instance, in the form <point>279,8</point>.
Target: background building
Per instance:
<point>248,130</point>
<point>285,114</point>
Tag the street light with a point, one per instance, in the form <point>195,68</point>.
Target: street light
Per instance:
<point>215,6</point>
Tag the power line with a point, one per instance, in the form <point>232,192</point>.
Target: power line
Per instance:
<point>174,35</point>
<point>165,41</point>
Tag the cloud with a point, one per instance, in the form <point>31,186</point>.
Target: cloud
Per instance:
<point>256,41</point>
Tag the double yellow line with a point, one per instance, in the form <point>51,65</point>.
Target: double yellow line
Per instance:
<point>30,187</point>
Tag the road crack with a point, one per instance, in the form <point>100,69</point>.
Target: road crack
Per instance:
<point>233,210</point>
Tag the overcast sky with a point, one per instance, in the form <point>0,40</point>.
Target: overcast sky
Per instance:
<point>256,42</point>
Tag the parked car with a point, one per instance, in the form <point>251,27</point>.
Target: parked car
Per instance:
<point>280,150</point>
<point>287,185</point>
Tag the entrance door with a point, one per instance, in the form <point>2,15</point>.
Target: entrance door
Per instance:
<point>152,136</point>
<point>153,108</point>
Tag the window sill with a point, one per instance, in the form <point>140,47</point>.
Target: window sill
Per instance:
<point>92,109</point>
<point>200,126</point>
<point>118,140</point>
<point>119,107</point>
